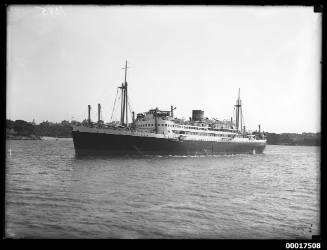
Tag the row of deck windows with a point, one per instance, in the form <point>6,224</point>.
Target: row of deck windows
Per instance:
<point>172,126</point>
<point>200,133</point>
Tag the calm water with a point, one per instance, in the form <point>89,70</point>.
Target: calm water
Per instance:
<point>50,194</point>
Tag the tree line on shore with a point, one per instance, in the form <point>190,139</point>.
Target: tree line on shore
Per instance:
<point>29,130</point>
<point>20,128</point>
<point>305,139</point>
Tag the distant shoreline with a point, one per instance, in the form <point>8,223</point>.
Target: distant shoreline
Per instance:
<point>54,138</point>
<point>33,138</point>
<point>24,138</point>
<point>299,145</point>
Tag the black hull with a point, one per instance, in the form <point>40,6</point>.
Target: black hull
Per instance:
<point>111,144</point>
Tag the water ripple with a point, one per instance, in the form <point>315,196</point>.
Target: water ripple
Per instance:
<point>52,194</point>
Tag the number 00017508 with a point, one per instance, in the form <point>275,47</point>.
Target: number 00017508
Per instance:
<point>303,245</point>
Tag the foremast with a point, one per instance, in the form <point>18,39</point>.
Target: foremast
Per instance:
<point>124,100</point>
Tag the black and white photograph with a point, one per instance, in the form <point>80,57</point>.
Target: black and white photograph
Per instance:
<point>163,122</point>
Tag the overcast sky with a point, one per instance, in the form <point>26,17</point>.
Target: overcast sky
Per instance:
<point>62,58</point>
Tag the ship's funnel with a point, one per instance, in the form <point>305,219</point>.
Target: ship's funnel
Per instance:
<point>197,115</point>
<point>99,112</point>
<point>89,114</point>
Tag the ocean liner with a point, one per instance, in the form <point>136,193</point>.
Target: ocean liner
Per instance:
<point>158,132</point>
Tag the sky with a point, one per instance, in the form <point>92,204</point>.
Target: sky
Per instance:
<point>62,58</point>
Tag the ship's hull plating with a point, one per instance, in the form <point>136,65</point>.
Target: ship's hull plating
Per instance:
<point>114,144</point>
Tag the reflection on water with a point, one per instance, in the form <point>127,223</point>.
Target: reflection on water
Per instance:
<point>52,194</point>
